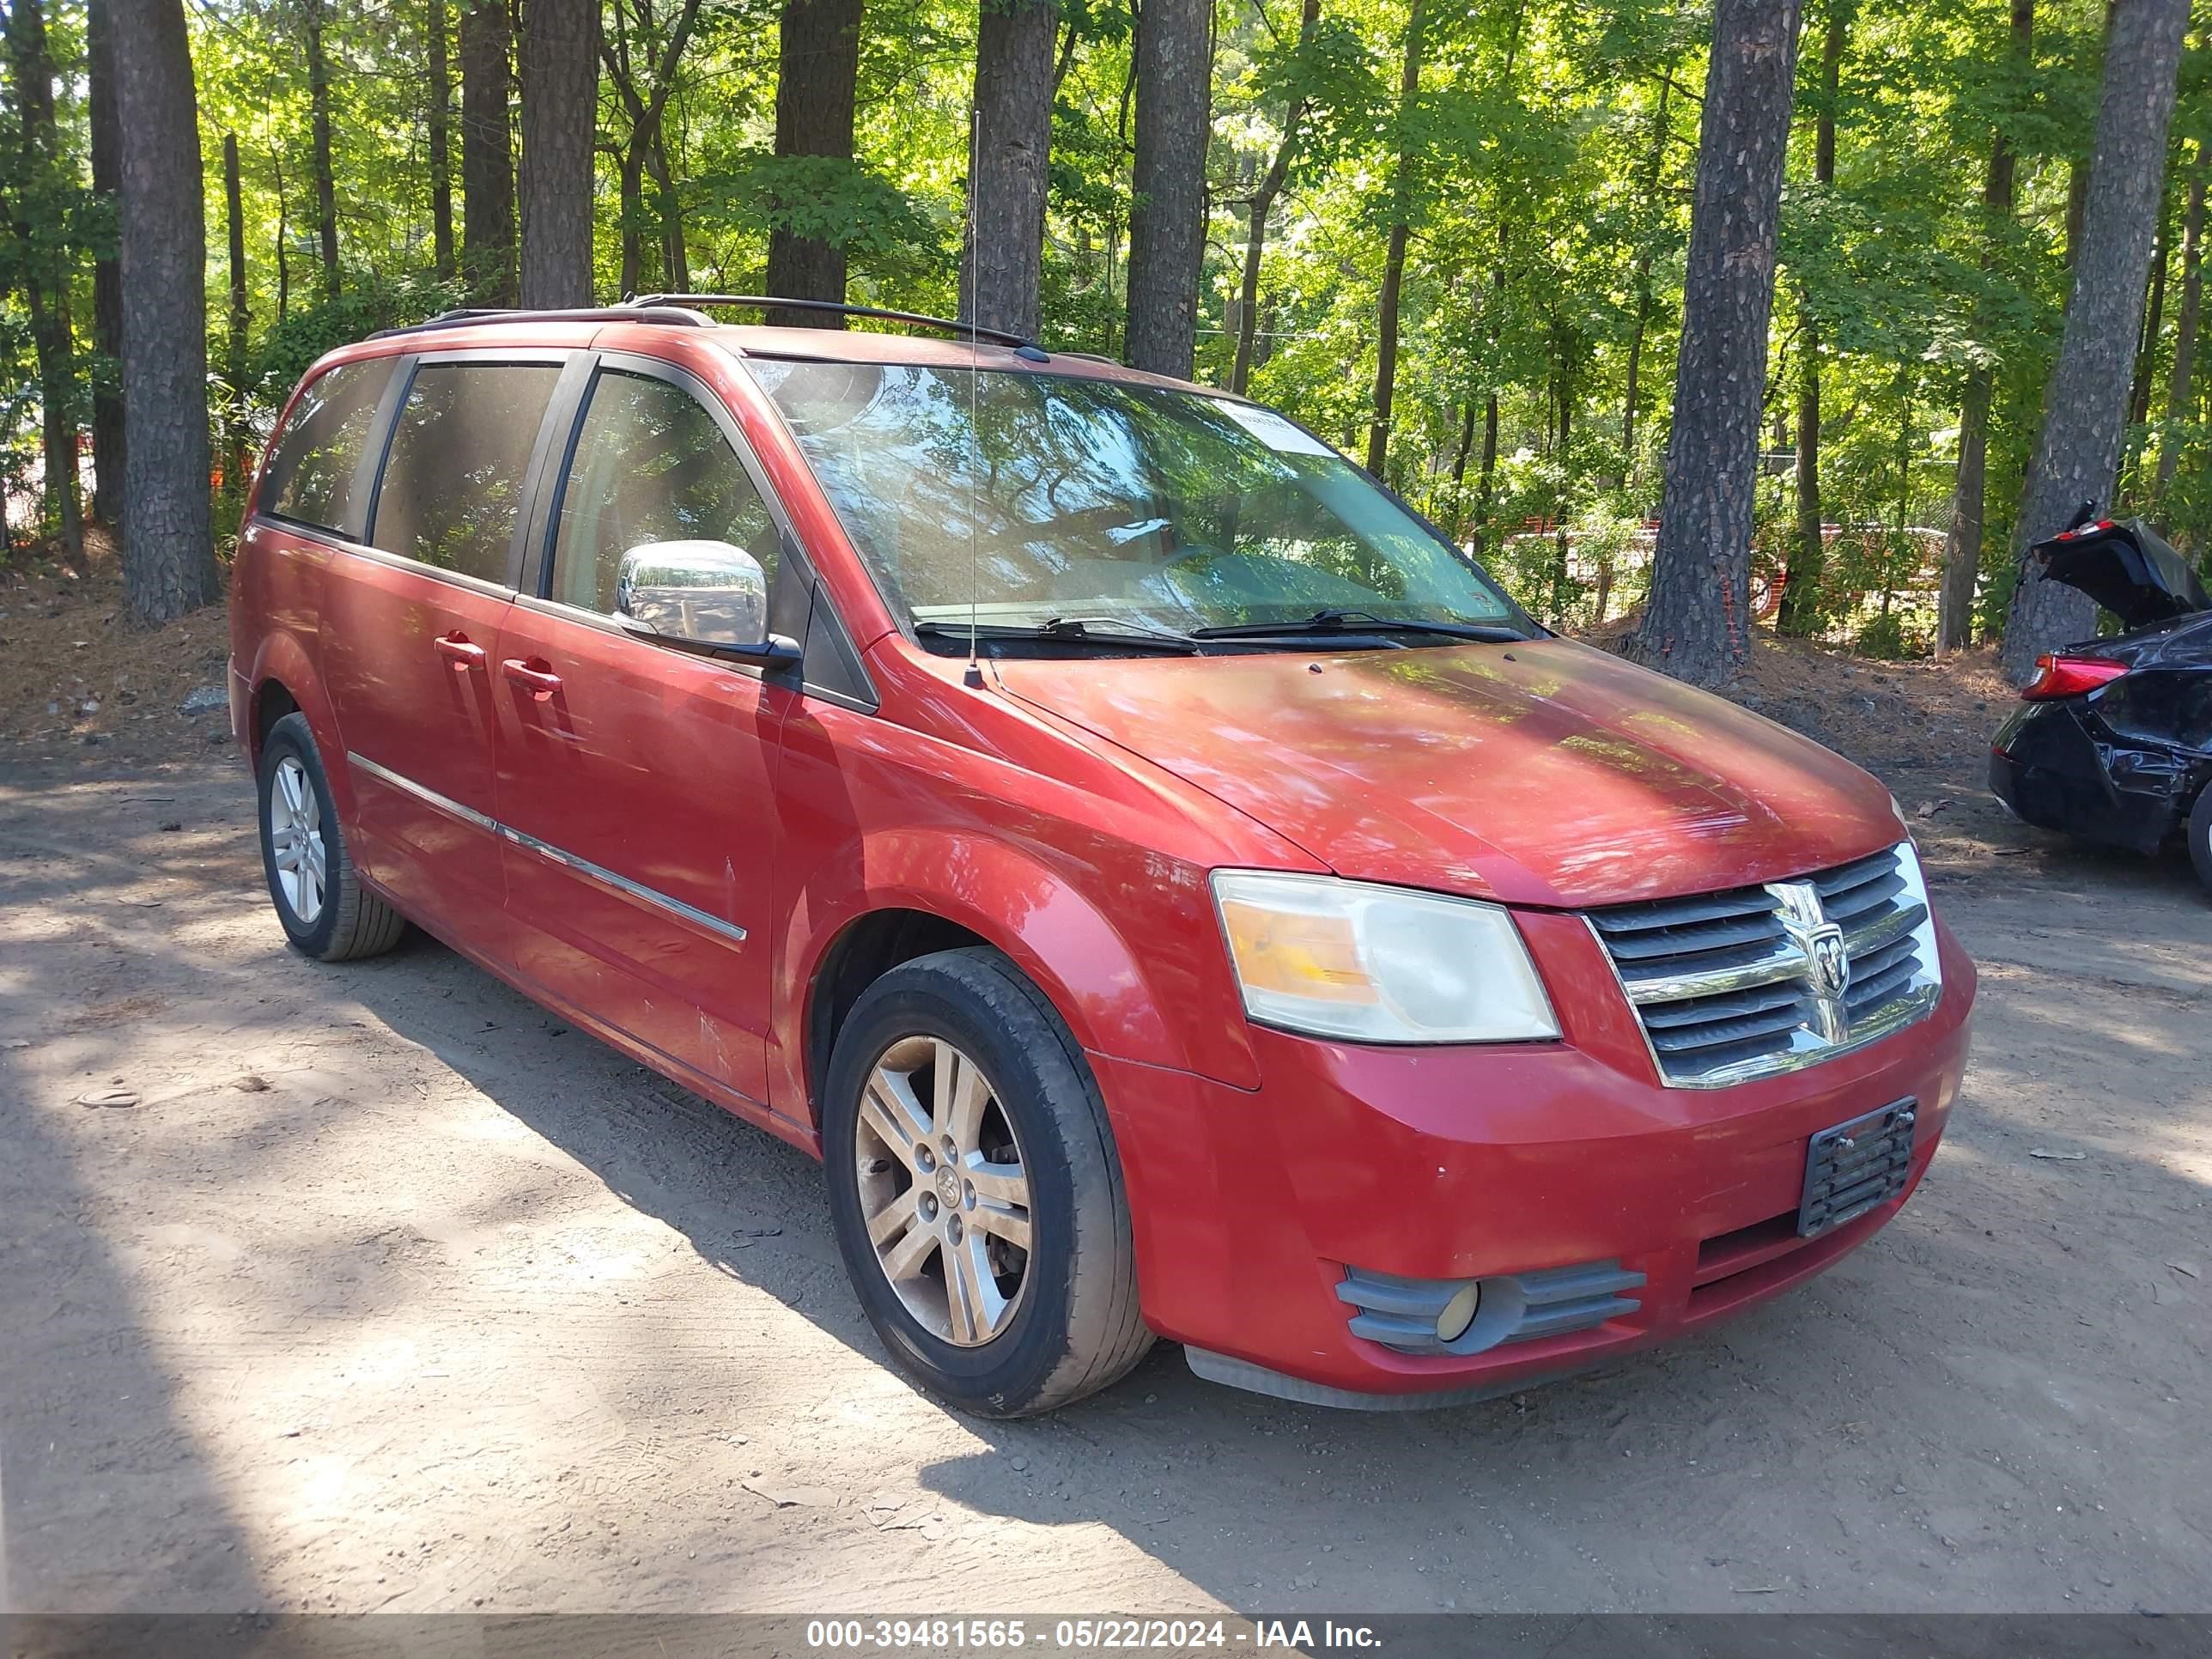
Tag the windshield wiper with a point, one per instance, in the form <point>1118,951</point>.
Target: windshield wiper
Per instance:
<point>1110,632</point>
<point>1336,621</point>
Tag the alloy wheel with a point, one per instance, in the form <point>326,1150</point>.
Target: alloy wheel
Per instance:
<point>295,841</point>
<point>943,1190</point>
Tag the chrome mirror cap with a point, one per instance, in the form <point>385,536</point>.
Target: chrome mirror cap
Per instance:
<point>703,593</point>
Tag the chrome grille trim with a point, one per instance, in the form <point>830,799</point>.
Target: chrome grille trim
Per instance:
<point>1755,981</point>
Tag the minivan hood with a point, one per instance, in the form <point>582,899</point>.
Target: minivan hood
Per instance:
<point>2129,569</point>
<point>1544,773</point>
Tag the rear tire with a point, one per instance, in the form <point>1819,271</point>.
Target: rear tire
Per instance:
<point>1041,1308</point>
<point>2200,835</point>
<point>325,910</point>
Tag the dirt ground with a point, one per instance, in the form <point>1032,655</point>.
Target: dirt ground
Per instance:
<point>390,1292</point>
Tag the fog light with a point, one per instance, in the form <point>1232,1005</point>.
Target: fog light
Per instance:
<point>1459,1313</point>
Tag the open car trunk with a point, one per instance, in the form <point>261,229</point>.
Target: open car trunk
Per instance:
<point>2128,568</point>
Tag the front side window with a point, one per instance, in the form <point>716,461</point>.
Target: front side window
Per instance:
<point>651,464</point>
<point>1038,496</point>
<point>452,482</point>
<point>312,463</point>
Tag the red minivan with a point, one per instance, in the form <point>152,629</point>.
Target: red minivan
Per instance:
<point>1173,890</point>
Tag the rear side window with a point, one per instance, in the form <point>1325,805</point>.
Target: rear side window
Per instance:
<point>452,480</point>
<point>312,466</point>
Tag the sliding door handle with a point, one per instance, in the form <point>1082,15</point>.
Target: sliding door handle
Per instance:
<point>536,676</point>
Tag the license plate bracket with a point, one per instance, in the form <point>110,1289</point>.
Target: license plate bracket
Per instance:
<point>1854,1166</point>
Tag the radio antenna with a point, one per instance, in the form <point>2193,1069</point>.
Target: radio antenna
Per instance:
<point>975,675</point>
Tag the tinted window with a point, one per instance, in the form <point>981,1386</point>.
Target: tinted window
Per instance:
<point>453,482</point>
<point>312,466</point>
<point>651,465</point>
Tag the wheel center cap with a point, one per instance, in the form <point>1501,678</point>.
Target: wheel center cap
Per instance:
<point>948,1185</point>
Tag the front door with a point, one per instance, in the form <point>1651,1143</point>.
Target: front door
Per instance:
<point>636,781</point>
<point>408,629</point>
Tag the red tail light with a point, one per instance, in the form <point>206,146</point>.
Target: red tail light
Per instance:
<point>2068,676</point>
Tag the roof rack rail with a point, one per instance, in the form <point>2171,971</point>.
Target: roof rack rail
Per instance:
<point>670,315</point>
<point>1023,348</point>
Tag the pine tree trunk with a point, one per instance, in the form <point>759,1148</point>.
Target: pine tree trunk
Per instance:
<point>436,25</point>
<point>815,78</point>
<point>1696,626</point>
<point>1262,203</point>
<point>487,154</point>
<point>1394,260</point>
<point>1167,221</point>
<point>675,259</point>
<point>2177,384</point>
<point>169,551</point>
<point>2085,411</point>
<point>107,440</point>
<point>235,461</point>
<point>2161,256</point>
<point>1003,266</point>
<point>41,236</point>
<point>1801,592</point>
<point>560,58</point>
<point>1485,495</point>
<point>319,105</point>
<point>1962,545</point>
<point>283,236</point>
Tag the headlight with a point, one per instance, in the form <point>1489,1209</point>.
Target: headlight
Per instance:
<point>1379,964</point>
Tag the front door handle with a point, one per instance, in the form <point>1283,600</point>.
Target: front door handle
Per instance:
<point>456,649</point>
<point>536,675</point>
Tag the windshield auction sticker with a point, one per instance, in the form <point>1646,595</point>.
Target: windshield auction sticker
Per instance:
<point>1272,430</point>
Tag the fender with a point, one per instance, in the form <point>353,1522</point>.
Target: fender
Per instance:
<point>1156,1009</point>
<point>282,658</point>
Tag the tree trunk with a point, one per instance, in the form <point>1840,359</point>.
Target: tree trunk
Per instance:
<point>1262,203</point>
<point>318,104</point>
<point>1485,494</point>
<point>1004,267</point>
<point>487,154</point>
<point>560,112</point>
<point>1801,591</point>
<point>107,440</point>
<point>1695,625</point>
<point>168,552</point>
<point>1962,546</point>
<point>646,152</point>
<point>2161,256</point>
<point>1167,219</point>
<point>814,83</point>
<point>283,236</point>
<point>40,212</point>
<point>1394,260</point>
<point>2178,385</point>
<point>235,461</point>
<point>675,259</point>
<point>2085,411</point>
<point>434,28</point>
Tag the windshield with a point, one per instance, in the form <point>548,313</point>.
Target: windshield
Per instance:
<point>1040,497</point>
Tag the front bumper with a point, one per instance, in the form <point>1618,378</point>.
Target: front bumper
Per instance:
<point>1475,1163</point>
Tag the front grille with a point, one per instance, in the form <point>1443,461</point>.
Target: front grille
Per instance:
<point>1751,981</point>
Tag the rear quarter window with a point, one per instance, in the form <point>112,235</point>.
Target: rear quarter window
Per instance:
<point>454,477</point>
<point>314,461</point>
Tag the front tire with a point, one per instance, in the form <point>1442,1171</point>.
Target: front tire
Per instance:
<point>974,1189</point>
<point>325,910</point>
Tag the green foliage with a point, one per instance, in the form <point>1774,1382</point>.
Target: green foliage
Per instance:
<point>1552,146</point>
<point>368,303</point>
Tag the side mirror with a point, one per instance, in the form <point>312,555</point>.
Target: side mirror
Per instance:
<point>702,596</point>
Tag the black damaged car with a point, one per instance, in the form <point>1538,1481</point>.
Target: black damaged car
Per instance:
<point>2112,739</point>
